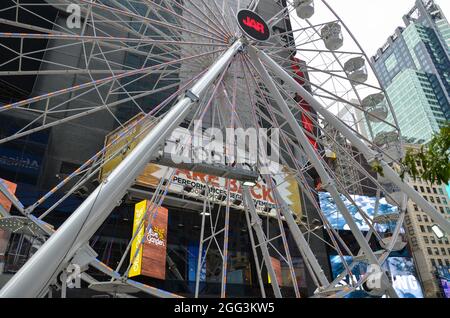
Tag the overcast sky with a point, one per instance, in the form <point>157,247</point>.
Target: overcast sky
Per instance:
<point>373,21</point>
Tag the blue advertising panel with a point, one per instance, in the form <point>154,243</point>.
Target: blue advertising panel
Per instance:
<point>21,159</point>
<point>193,250</point>
<point>366,204</point>
<point>401,269</point>
<point>193,262</point>
<point>404,277</point>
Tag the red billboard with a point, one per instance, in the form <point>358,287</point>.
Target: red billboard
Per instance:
<point>307,112</point>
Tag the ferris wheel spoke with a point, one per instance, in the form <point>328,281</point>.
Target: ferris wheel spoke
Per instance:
<point>156,34</point>
<point>318,165</point>
<point>20,6</point>
<point>312,70</point>
<point>205,27</point>
<point>351,157</point>
<point>222,21</point>
<point>24,132</point>
<point>311,198</point>
<point>311,262</point>
<point>96,82</point>
<point>88,38</point>
<point>360,145</point>
<point>120,138</point>
<point>340,99</point>
<point>198,14</point>
<point>150,22</point>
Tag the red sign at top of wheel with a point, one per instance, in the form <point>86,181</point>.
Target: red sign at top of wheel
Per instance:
<point>253,25</point>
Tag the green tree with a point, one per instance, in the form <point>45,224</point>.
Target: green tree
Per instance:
<point>434,159</point>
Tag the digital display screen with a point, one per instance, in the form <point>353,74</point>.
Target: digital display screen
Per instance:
<point>401,270</point>
<point>444,278</point>
<point>445,287</point>
<point>366,204</point>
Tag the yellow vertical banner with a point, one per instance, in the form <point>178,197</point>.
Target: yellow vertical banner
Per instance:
<point>139,213</point>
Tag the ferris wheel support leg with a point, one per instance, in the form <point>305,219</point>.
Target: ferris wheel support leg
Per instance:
<point>34,277</point>
<point>255,255</point>
<point>256,223</point>
<point>369,154</point>
<point>314,158</point>
<point>301,242</point>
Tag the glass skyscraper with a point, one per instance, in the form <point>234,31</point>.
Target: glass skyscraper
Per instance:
<point>414,68</point>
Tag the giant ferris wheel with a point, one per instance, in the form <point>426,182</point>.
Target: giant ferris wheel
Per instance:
<point>298,70</point>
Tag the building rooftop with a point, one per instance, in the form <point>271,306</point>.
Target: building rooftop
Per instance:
<point>413,16</point>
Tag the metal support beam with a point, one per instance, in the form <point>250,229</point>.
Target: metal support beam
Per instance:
<point>255,254</point>
<point>300,241</point>
<point>256,223</point>
<point>41,269</point>
<point>315,160</point>
<point>200,248</point>
<point>368,153</point>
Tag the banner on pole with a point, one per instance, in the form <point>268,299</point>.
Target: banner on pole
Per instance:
<point>149,258</point>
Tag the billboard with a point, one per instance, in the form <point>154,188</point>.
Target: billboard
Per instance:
<point>193,249</point>
<point>276,264</point>
<point>149,259</point>
<point>17,159</point>
<point>196,182</point>
<point>443,273</point>
<point>366,204</point>
<point>401,270</point>
<point>22,159</point>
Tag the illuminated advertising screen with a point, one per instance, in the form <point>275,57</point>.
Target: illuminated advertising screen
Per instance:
<point>149,259</point>
<point>366,204</point>
<point>443,273</point>
<point>446,287</point>
<point>401,270</point>
<point>276,264</point>
<point>193,262</point>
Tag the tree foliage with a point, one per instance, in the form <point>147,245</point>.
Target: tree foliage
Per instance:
<point>431,162</point>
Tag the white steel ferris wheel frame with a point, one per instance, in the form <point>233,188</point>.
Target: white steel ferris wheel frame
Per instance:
<point>59,250</point>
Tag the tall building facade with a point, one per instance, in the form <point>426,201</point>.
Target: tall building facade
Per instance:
<point>431,253</point>
<point>414,68</point>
